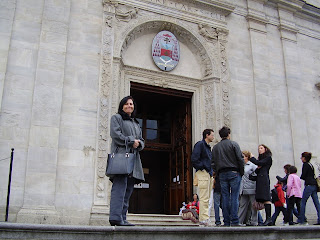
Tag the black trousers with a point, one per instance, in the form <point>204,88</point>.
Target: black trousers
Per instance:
<point>290,202</point>
<point>121,191</point>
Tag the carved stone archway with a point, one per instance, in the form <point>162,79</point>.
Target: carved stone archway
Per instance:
<point>211,92</point>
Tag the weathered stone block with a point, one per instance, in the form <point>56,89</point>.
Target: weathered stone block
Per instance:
<point>43,136</point>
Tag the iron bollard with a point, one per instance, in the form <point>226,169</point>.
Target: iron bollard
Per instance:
<point>9,185</point>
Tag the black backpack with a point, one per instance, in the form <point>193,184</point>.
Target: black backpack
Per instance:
<point>274,195</point>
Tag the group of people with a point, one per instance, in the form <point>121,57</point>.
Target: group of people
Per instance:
<point>232,171</point>
<point>244,184</point>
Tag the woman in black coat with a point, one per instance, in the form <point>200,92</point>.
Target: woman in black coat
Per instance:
<point>264,163</point>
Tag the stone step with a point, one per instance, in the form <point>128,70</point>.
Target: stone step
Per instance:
<point>159,220</point>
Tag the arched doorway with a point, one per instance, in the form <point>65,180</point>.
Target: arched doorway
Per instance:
<point>165,119</point>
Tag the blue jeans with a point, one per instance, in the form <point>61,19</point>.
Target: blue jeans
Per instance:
<point>309,190</point>
<point>277,212</point>
<point>260,220</point>
<point>216,205</point>
<point>230,189</point>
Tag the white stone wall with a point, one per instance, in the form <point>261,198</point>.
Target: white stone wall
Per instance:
<point>50,64</point>
<point>52,79</point>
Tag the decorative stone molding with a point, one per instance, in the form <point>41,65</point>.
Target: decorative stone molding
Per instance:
<point>209,103</point>
<point>104,110</point>
<point>208,11</point>
<point>225,77</point>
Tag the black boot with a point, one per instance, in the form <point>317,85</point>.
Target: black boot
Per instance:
<point>268,221</point>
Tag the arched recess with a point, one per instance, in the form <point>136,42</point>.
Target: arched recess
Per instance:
<point>194,55</point>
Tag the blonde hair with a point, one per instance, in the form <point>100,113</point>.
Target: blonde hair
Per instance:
<point>246,154</point>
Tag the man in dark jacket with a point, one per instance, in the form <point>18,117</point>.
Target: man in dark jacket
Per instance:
<point>229,164</point>
<point>201,161</point>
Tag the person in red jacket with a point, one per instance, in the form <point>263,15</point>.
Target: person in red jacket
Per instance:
<point>280,205</point>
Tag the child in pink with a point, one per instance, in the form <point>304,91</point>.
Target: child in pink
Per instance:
<point>293,193</point>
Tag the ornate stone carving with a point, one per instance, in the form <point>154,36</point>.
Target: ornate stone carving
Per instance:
<point>225,78</point>
<point>104,107</point>
<point>109,21</point>
<point>86,150</point>
<point>209,103</point>
<point>209,33</point>
<point>125,13</point>
<point>160,83</point>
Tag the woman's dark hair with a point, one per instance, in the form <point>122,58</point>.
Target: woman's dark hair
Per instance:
<point>307,156</point>
<point>206,132</point>
<point>197,197</point>
<point>286,167</point>
<point>224,132</point>
<point>293,169</point>
<point>267,153</point>
<point>124,115</point>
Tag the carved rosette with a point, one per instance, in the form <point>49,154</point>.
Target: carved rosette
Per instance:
<point>225,77</point>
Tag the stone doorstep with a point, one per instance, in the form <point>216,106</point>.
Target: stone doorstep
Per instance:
<point>158,220</point>
<point>60,232</point>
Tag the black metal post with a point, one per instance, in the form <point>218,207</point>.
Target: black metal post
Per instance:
<point>9,185</point>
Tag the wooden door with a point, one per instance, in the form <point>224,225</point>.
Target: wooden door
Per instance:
<point>180,179</point>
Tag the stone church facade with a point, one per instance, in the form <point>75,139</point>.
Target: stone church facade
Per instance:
<point>253,65</point>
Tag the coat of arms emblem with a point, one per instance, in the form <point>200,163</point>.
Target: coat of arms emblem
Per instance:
<point>165,51</point>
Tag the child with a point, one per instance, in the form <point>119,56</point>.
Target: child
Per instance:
<point>293,193</point>
<point>280,205</point>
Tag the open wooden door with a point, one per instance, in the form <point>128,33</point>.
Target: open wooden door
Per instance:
<point>165,119</point>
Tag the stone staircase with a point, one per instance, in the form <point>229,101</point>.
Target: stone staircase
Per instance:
<point>159,220</point>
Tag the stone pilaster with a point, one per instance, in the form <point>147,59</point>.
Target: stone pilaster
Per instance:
<point>7,11</point>
<point>40,182</point>
<point>288,34</point>
<point>258,36</point>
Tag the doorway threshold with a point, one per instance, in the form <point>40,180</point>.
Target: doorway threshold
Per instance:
<point>158,220</point>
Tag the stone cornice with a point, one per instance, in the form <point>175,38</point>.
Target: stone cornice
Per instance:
<point>290,5</point>
<point>225,7</point>
<point>211,12</point>
<point>299,7</point>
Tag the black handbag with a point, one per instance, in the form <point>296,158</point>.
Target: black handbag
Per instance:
<point>120,163</point>
<point>253,176</point>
